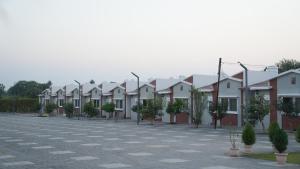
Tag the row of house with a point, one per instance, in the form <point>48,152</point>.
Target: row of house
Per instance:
<point>232,90</point>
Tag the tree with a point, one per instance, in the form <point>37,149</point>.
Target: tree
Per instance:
<point>200,104</point>
<point>174,108</point>
<point>286,106</point>
<point>28,89</point>
<point>152,108</point>
<point>280,140</point>
<point>219,112</point>
<point>248,135</point>
<point>258,109</point>
<point>69,108</point>
<point>2,89</point>
<point>50,108</point>
<point>90,109</point>
<point>92,81</point>
<point>109,107</point>
<point>287,64</point>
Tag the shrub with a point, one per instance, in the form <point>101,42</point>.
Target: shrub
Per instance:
<point>109,107</point>
<point>69,108</point>
<point>280,140</point>
<point>19,104</point>
<point>170,108</point>
<point>297,134</point>
<point>90,109</point>
<point>248,135</point>
<point>271,130</point>
<point>50,107</point>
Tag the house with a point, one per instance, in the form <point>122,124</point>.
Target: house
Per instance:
<point>107,94</point>
<point>170,90</point>
<point>285,88</point>
<point>44,98</point>
<point>90,93</point>
<point>72,96</point>
<point>131,99</point>
<point>232,93</point>
<point>201,82</point>
<point>57,97</point>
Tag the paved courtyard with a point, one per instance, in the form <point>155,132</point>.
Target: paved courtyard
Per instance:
<point>60,143</point>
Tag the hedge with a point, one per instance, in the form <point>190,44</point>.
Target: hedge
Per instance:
<point>11,104</point>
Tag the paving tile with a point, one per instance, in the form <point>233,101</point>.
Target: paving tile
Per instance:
<point>84,158</point>
<point>115,165</point>
<point>140,154</point>
<point>6,157</point>
<point>27,144</point>
<point>173,160</point>
<point>61,152</point>
<point>43,147</point>
<point>91,144</point>
<point>17,163</point>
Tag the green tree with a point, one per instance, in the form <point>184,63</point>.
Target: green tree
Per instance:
<point>287,64</point>
<point>50,108</point>
<point>28,89</point>
<point>69,108</point>
<point>109,107</point>
<point>92,81</point>
<point>248,135</point>
<point>258,109</point>
<point>152,109</point>
<point>280,140</point>
<point>90,109</point>
<point>219,112</point>
<point>200,104</point>
<point>286,106</point>
<point>297,135</point>
<point>271,130</point>
<point>2,90</point>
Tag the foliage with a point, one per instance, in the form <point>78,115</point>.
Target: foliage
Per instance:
<point>297,135</point>
<point>50,107</point>
<point>109,107</point>
<point>69,108</point>
<point>200,104</point>
<point>29,89</point>
<point>90,109</point>
<point>176,107</point>
<point>92,81</point>
<point>152,108</point>
<point>293,157</point>
<point>18,104</point>
<point>287,64</point>
<point>2,90</point>
<point>248,135</point>
<point>258,109</point>
<point>287,107</point>
<point>136,108</point>
<point>280,140</point>
<point>271,130</point>
<point>218,112</point>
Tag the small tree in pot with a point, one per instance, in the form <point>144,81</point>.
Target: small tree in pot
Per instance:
<point>248,137</point>
<point>297,135</point>
<point>271,131</point>
<point>280,141</point>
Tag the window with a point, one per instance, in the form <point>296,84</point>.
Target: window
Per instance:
<point>228,85</point>
<point>76,103</point>
<point>96,91</point>
<point>145,102</point>
<point>181,88</point>
<point>147,89</point>
<point>119,91</point>
<point>47,101</point>
<point>297,105</point>
<point>96,103</point>
<point>119,104</point>
<point>232,104</point>
<point>293,80</point>
<point>60,102</point>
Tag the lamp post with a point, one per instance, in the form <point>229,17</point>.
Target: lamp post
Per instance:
<point>246,91</point>
<point>79,98</point>
<point>138,104</point>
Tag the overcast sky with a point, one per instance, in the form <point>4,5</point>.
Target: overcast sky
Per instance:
<point>63,40</point>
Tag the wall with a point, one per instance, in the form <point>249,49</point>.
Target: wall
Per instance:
<point>284,85</point>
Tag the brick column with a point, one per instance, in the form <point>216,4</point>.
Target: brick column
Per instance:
<point>273,100</point>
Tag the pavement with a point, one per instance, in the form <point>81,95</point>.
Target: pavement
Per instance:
<point>29,142</point>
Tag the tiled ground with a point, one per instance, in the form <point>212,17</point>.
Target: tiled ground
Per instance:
<point>56,143</point>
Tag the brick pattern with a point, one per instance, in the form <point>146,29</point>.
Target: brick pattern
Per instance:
<point>182,118</point>
<point>290,123</point>
<point>273,101</point>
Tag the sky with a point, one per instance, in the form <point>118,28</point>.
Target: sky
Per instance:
<point>105,40</point>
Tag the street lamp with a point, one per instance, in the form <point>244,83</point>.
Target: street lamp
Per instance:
<point>138,86</point>
<point>246,90</point>
<point>79,98</point>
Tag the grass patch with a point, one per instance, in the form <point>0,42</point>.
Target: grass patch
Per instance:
<point>293,157</point>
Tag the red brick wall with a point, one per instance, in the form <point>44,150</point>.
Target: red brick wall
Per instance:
<point>60,110</point>
<point>189,79</point>
<point>182,118</point>
<point>290,123</point>
<point>230,120</point>
<point>273,101</point>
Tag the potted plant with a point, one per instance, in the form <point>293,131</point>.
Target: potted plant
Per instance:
<point>271,130</point>
<point>280,141</point>
<point>248,137</point>
<point>234,150</point>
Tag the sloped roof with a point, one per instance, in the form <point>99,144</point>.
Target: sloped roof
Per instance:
<point>258,76</point>
<point>87,87</point>
<point>70,88</point>
<point>200,80</point>
<point>55,89</point>
<point>107,87</point>
<point>163,84</point>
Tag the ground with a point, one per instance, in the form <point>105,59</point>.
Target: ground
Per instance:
<point>61,143</point>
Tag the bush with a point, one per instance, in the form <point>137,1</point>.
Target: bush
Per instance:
<point>170,108</point>
<point>19,104</point>
<point>90,109</point>
<point>50,107</point>
<point>69,108</point>
<point>280,140</point>
<point>109,107</point>
<point>248,135</point>
<point>297,134</point>
<point>271,130</point>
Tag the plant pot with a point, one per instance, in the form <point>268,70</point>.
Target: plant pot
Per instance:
<point>234,152</point>
<point>281,158</point>
<point>248,148</point>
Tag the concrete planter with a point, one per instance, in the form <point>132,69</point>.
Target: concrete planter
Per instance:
<point>234,152</point>
<point>248,149</point>
<point>281,158</point>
